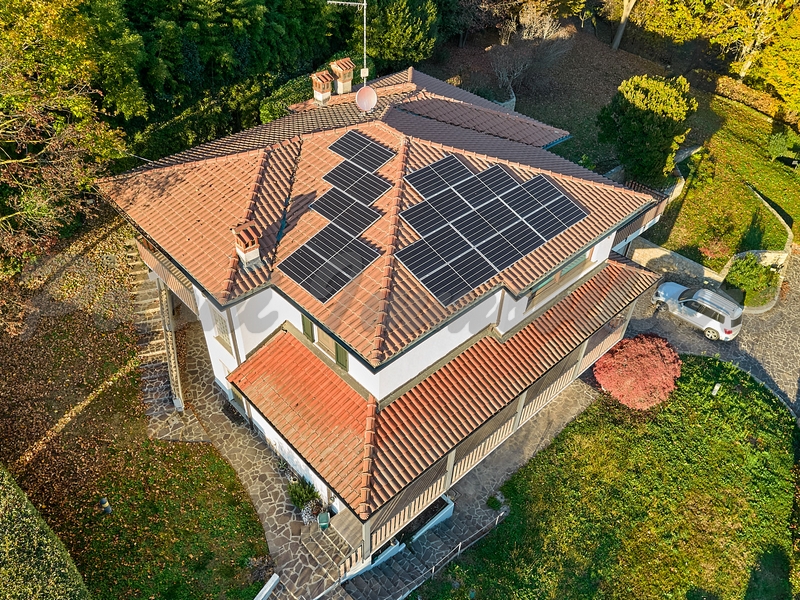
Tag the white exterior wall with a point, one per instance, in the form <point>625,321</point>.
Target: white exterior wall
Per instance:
<point>415,360</point>
<point>514,311</point>
<point>297,464</point>
<point>258,316</point>
<point>222,361</point>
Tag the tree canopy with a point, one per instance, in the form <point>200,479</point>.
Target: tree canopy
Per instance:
<point>779,65</point>
<point>645,121</point>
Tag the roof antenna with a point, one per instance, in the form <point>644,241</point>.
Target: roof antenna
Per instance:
<point>366,98</point>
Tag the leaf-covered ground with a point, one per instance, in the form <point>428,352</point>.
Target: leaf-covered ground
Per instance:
<point>74,430</point>
<point>693,499</point>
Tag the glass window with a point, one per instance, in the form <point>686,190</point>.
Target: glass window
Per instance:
<point>686,294</point>
<point>692,305</point>
<point>737,321</point>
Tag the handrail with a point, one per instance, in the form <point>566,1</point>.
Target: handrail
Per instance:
<point>410,587</point>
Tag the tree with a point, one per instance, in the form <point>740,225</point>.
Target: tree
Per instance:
<point>745,27</point>
<point>779,65</point>
<point>639,372</point>
<point>645,121</point>
<point>627,7</point>
<point>52,140</point>
<point>399,32</point>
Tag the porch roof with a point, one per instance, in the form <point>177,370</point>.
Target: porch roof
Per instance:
<point>368,458</point>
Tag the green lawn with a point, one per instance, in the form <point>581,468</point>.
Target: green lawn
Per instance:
<point>182,524</point>
<point>718,214</point>
<point>691,500</point>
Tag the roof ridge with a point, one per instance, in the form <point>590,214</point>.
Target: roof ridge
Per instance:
<point>367,461</point>
<point>385,291</point>
<point>499,113</point>
<point>556,175</point>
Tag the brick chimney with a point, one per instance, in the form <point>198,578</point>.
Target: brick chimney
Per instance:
<point>247,246</point>
<point>343,74</point>
<point>321,82</point>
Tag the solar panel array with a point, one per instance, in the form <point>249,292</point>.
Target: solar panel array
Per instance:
<point>472,226</point>
<point>335,255</point>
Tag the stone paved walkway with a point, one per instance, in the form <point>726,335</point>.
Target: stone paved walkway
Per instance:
<point>305,559</point>
<point>768,346</point>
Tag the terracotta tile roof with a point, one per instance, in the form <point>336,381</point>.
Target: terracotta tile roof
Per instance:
<point>188,205</point>
<point>375,459</point>
<point>492,121</point>
<point>320,415</point>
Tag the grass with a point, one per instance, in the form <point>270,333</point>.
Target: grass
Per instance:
<point>182,524</point>
<point>693,499</point>
<point>718,215</point>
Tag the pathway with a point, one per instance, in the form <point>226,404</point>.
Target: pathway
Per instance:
<point>767,347</point>
<point>305,559</point>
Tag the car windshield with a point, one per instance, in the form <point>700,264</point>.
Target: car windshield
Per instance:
<point>686,294</point>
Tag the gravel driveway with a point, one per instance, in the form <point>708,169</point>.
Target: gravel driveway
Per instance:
<point>768,346</point>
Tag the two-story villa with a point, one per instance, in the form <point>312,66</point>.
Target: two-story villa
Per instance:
<point>388,295</point>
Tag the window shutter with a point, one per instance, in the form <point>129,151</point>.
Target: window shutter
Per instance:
<point>341,357</point>
<point>308,328</point>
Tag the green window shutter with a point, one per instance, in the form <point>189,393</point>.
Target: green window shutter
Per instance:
<point>341,357</point>
<point>308,328</point>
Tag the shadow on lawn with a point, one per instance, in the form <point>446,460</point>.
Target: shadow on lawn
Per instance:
<point>769,579</point>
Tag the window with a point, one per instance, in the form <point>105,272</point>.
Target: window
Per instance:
<point>692,305</point>
<point>221,331</point>
<point>552,282</point>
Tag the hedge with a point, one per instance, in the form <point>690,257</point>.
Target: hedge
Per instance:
<point>33,562</point>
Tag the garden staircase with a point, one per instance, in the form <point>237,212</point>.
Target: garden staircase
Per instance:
<point>314,568</point>
<point>164,422</point>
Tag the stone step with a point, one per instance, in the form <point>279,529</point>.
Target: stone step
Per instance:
<point>327,539</point>
<point>388,580</point>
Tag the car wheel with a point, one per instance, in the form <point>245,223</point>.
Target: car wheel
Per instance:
<point>712,334</point>
<point>659,306</point>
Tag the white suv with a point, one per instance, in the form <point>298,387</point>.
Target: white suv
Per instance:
<point>718,317</point>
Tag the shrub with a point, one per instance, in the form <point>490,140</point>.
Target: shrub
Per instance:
<point>747,273</point>
<point>493,503</point>
<point>302,492</point>
<point>639,372</point>
<point>33,561</point>
<point>646,122</point>
<point>778,145</point>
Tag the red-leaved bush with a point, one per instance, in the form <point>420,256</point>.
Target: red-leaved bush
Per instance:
<point>639,372</point>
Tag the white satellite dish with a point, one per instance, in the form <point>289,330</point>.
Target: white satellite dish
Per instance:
<point>366,98</point>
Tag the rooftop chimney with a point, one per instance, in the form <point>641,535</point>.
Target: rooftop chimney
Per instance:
<point>343,74</point>
<point>247,243</point>
<point>321,83</point>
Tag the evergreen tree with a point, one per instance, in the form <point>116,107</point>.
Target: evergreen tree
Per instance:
<point>645,121</point>
<point>399,32</point>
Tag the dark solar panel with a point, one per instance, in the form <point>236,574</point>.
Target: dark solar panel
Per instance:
<point>545,223</point>
<point>447,243</point>
<point>364,187</point>
<point>328,241</point>
<point>473,268</point>
<point>474,191</point>
<point>301,263</point>
<point>497,180</point>
<point>474,226</point>
<point>362,151</point>
<point>344,175</point>
<point>356,218</point>
<point>446,285</point>
<point>332,203</point>
<point>420,258</point>
<point>451,170</point>
<point>426,182</point>
<point>499,252</point>
<point>449,204</point>
<point>423,218</point>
